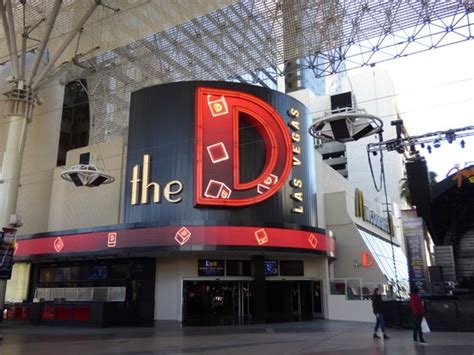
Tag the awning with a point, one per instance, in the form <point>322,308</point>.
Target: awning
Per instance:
<point>381,250</point>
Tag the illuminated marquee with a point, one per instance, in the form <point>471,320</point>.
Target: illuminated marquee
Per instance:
<point>217,170</point>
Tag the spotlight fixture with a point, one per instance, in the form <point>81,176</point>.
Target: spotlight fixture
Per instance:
<point>437,143</point>
<point>429,149</point>
<point>86,175</point>
<point>345,125</point>
<point>450,136</point>
<point>422,145</point>
<point>462,143</point>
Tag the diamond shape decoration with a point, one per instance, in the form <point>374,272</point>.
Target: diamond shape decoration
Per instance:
<point>313,240</point>
<point>182,235</point>
<point>217,189</point>
<point>58,244</point>
<point>217,107</point>
<point>217,152</point>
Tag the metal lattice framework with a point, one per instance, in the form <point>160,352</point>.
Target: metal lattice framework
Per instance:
<point>149,42</point>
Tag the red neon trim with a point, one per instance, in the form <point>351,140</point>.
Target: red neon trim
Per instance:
<point>230,236</point>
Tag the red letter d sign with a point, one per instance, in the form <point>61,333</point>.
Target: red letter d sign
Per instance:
<point>217,171</point>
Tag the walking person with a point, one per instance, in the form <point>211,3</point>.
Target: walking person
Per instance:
<point>418,311</point>
<point>377,308</point>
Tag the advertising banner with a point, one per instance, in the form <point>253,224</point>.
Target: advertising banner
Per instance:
<point>7,249</point>
<point>414,236</point>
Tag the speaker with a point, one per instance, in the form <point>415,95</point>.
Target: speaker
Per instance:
<point>361,133</point>
<point>436,273</point>
<point>343,100</point>
<point>339,129</point>
<point>419,185</point>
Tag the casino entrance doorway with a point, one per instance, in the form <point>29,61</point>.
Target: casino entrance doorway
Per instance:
<point>216,302</point>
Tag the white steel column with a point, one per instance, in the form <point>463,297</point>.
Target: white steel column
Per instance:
<point>12,156</point>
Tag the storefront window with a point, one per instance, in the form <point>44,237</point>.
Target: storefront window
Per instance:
<point>17,286</point>
<point>384,257</point>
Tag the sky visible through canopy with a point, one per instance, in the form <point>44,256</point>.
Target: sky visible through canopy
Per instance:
<point>435,91</point>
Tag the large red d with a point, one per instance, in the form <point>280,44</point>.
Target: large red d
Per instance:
<point>217,171</point>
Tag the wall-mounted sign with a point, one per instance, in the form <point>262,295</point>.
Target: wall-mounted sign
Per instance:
<point>217,145</point>
<point>366,260</point>
<point>270,267</point>
<point>7,249</point>
<point>207,267</point>
<point>413,229</point>
<point>370,216</point>
<point>229,153</point>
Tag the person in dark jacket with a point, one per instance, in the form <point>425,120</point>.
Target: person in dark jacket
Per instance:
<point>377,308</point>
<point>418,311</point>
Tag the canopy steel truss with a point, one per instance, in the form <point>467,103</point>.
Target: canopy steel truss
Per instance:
<point>148,42</point>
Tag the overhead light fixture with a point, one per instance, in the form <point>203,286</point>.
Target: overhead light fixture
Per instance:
<point>429,149</point>
<point>86,175</point>
<point>345,125</point>
<point>437,143</point>
<point>462,143</point>
<point>450,136</point>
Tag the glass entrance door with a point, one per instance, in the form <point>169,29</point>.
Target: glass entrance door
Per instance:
<point>295,300</point>
<point>241,301</point>
<point>317,299</point>
<point>216,302</point>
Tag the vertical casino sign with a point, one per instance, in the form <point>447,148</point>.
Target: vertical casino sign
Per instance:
<point>217,153</point>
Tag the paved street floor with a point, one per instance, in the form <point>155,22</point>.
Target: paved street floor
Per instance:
<point>316,337</point>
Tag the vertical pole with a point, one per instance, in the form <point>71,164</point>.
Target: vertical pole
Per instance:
<point>16,128</point>
<point>387,210</point>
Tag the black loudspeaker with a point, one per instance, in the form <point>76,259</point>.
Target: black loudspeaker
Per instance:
<point>85,158</point>
<point>339,129</point>
<point>341,100</point>
<point>436,273</point>
<point>362,132</point>
<point>419,185</point>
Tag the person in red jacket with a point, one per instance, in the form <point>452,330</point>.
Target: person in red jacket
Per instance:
<point>418,311</point>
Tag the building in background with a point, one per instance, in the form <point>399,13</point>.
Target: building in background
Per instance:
<point>143,249</point>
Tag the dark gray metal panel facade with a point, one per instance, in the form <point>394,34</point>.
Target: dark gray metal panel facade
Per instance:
<point>162,124</point>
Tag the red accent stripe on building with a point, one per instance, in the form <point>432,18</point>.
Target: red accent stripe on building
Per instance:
<point>168,236</point>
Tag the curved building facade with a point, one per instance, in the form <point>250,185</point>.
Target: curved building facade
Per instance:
<point>215,200</point>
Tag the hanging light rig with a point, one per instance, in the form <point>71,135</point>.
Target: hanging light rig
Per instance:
<point>344,125</point>
<point>408,144</point>
<point>86,175</point>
